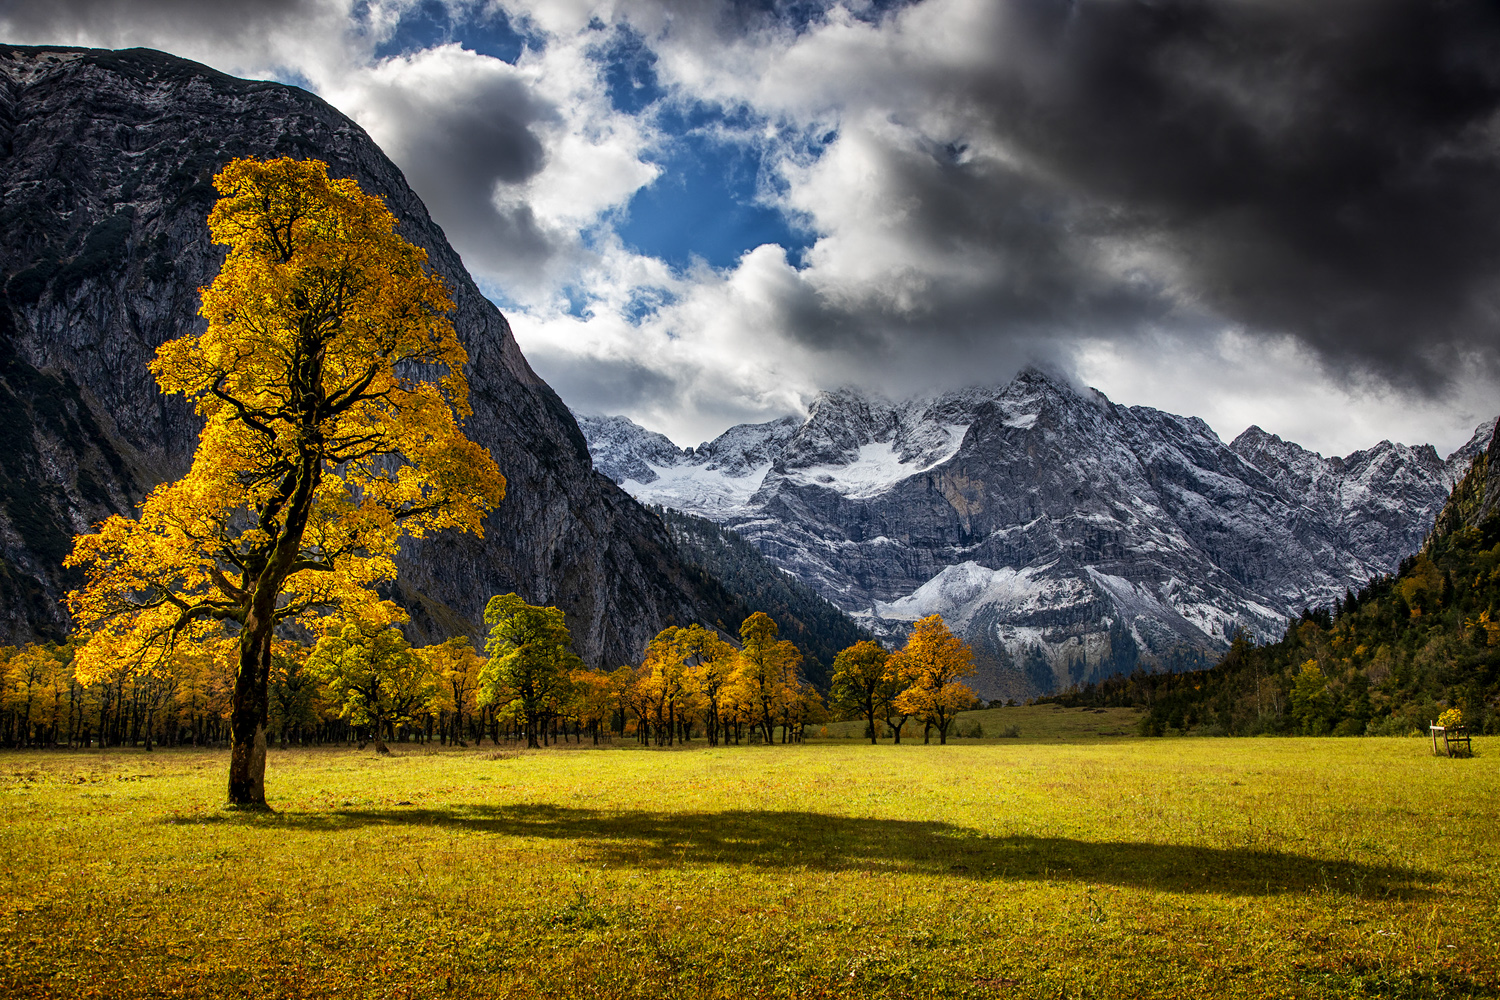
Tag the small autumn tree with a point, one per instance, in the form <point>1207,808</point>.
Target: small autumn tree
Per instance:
<point>665,682</point>
<point>35,680</point>
<point>937,662</point>
<point>457,667</point>
<point>711,663</point>
<point>530,660</point>
<point>688,668</point>
<point>24,670</point>
<point>373,673</point>
<point>767,666</point>
<point>801,704</point>
<point>639,700</point>
<point>899,676</point>
<point>859,678</point>
<point>595,696</point>
<point>331,385</point>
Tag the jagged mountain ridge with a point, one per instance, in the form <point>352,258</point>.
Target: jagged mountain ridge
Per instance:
<point>106,162</point>
<point>1384,661</point>
<point>1065,536</point>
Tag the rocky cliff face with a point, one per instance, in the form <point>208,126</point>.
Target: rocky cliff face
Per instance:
<point>1066,537</point>
<point>106,161</point>
<point>1475,500</point>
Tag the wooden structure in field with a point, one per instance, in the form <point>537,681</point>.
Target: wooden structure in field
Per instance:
<point>1455,741</point>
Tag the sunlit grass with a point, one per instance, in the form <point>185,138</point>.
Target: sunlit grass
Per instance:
<point>1014,868</point>
<point>1025,722</point>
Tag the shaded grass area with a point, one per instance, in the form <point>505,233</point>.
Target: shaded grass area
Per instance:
<point>803,841</point>
<point>1093,868</point>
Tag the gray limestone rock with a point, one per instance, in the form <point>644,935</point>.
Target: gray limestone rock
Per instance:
<point>1066,537</point>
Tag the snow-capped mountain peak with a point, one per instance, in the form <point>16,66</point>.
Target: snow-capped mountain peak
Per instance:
<point>1064,536</point>
<point>622,449</point>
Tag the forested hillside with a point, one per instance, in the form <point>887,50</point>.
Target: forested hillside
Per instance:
<point>817,628</point>
<point>1384,661</point>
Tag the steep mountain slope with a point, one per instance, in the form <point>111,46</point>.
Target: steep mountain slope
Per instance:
<point>1386,660</point>
<point>815,626</point>
<point>106,160</point>
<point>1065,536</point>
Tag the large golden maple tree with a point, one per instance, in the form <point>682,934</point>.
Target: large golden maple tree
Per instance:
<point>331,384</point>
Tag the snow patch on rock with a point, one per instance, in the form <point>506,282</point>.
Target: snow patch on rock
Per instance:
<point>879,466</point>
<point>958,591</point>
<point>699,490</point>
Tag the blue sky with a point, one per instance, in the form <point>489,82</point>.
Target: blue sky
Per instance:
<point>430,23</point>
<point>709,203</point>
<point>697,213</point>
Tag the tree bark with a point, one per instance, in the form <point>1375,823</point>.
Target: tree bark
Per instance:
<point>247,719</point>
<point>380,746</point>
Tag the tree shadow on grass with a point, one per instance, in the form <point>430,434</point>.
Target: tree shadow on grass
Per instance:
<point>819,842</point>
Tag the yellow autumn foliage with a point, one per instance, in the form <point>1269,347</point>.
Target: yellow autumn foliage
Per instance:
<point>331,385</point>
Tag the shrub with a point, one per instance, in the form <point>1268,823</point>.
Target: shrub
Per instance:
<point>103,250</point>
<point>25,287</point>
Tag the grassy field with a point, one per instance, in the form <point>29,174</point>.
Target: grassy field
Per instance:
<point>1024,867</point>
<point>1028,723</point>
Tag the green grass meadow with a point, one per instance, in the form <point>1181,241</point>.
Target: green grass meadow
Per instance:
<point>1047,723</point>
<point>1072,865</point>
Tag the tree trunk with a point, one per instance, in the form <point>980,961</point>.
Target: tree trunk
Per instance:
<point>247,718</point>
<point>380,746</point>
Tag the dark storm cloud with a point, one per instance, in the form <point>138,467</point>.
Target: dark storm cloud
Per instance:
<point>456,144</point>
<point>217,21</point>
<point>1329,170</point>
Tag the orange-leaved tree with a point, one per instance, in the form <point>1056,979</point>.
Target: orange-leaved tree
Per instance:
<point>937,661</point>
<point>332,387</point>
<point>666,682</point>
<point>457,667</point>
<point>711,662</point>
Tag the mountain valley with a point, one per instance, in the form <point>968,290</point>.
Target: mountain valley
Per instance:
<point>1065,536</point>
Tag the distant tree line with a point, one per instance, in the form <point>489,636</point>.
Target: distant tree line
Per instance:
<point>361,682</point>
